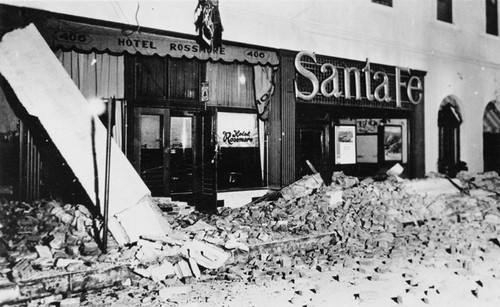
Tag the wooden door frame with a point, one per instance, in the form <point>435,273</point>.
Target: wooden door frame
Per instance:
<point>165,112</point>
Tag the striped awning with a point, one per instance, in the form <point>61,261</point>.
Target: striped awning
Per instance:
<point>70,35</point>
<point>491,119</point>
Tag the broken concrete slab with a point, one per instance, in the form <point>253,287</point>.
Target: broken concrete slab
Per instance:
<point>335,197</point>
<point>161,271</point>
<point>432,186</point>
<point>9,294</point>
<point>396,170</point>
<point>71,282</point>
<point>206,255</point>
<point>43,251</point>
<point>194,267</point>
<point>302,187</point>
<point>234,244</point>
<point>35,75</point>
<point>182,270</point>
<point>70,302</point>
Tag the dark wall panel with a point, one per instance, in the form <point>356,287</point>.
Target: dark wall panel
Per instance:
<point>274,136</point>
<point>288,118</point>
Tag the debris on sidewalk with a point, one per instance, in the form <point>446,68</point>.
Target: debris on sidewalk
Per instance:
<point>347,223</point>
<point>303,187</point>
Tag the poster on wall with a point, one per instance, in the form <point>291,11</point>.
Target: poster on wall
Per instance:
<point>367,125</point>
<point>345,144</point>
<point>367,148</point>
<point>393,143</point>
<point>237,130</point>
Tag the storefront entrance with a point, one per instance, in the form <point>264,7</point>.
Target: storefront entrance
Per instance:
<point>172,150</point>
<point>359,142</point>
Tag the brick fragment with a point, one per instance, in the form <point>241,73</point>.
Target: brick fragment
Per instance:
<point>65,262</point>
<point>43,251</point>
<point>10,293</point>
<point>475,292</point>
<point>194,268</point>
<point>285,261</point>
<point>321,268</point>
<point>398,299</point>
<point>58,241</point>
<point>182,269</point>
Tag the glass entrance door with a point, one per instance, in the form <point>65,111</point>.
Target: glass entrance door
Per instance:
<point>181,155</point>
<point>173,153</point>
<point>151,125</point>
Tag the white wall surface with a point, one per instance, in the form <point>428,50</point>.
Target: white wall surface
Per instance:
<point>460,59</point>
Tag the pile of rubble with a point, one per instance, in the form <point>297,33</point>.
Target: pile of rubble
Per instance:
<point>311,226</point>
<point>489,181</point>
<point>45,234</point>
<point>366,216</point>
<point>48,249</point>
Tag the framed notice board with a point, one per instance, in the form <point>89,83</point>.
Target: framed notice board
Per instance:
<point>345,144</point>
<point>393,143</point>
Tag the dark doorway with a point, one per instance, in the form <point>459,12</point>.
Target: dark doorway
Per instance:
<point>491,137</point>
<point>449,121</point>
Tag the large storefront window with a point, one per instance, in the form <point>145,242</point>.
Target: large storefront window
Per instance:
<point>359,143</point>
<point>239,164</point>
<point>160,78</point>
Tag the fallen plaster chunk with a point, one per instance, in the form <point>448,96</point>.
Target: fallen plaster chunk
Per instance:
<point>142,272</point>
<point>207,255</point>
<point>150,244</point>
<point>149,254</point>
<point>43,251</point>
<point>396,170</point>
<point>194,268</point>
<point>214,240</point>
<point>182,269</point>
<point>233,244</point>
<point>335,197</point>
<point>302,187</point>
<point>58,241</point>
<point>142,219</point>
<point>64,262</point>
<point>9,294</point>
<point>161,271</point>
<point>432,186</point>
<point>70,302</point>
